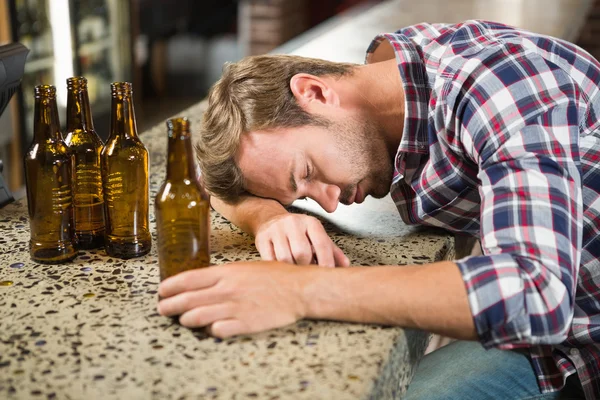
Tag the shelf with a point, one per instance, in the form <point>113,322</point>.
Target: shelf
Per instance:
<point>39,64</point>
<point>94,47</point>
<point>86,49</point>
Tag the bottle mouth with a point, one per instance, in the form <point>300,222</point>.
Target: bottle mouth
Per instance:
<point>178,124</point>
<point>76,82</point>
<point>44,91</point>
<point>121,88</point>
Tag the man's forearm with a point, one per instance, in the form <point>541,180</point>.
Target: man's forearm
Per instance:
<point>249,213</point>
<point>430,297</point>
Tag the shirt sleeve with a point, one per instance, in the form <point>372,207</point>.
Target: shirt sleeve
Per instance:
<point>523,136</point>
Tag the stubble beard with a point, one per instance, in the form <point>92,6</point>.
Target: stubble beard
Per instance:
<point>367,155</point>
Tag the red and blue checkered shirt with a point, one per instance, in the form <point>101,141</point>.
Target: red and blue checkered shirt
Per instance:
<point>502,140</point>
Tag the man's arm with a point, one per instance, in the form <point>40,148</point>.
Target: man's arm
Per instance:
<point>244,298</point>
<point>249,213</point>
<point>524,140</point>
<point>431,297</point>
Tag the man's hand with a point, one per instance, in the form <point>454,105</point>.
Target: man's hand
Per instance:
<point>298,239</point>
<point>279,235</point>
<point>238,298</point>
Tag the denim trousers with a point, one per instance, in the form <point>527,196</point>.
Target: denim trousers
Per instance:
<point>466,371</point>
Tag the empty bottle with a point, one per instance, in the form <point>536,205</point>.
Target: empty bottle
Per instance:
<point>182,208</point>
<point>49,173</point>
<point>124,161</point>
<point>86,146</point>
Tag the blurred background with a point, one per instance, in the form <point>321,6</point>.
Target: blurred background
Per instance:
<point>172,50</point>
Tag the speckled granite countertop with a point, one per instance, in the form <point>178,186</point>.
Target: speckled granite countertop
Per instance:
<point>89,329</point>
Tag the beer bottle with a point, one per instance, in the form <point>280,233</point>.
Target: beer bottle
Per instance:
<point>182,208</point>
<point>85,145</point>
<point>48,175</point>
<point>124,161</point>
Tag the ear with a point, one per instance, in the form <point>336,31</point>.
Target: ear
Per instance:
<point>310,89</point>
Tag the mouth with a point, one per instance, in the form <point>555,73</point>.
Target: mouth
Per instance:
<point>356,196</point>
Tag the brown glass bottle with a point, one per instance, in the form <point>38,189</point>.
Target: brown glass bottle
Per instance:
<point>49,174</point>
<point>124,161</point>
<point>182,208</point>
<point>85,145</point>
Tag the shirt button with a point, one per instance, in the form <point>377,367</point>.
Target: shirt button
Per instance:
<point>574,352</point>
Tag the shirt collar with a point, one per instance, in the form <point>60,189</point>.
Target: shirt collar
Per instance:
<point>416,91</point>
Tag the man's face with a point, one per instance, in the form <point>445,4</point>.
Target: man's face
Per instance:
<point>343,162</point>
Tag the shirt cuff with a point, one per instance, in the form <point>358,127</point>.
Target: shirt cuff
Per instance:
<point>496,295</point>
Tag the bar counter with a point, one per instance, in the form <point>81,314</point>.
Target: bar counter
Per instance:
<point>89,328</point>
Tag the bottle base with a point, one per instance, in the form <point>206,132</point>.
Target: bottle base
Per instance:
<point>52,255</point>
<point>168,270</point>
<point>89,240</point>
<point>121,248</point>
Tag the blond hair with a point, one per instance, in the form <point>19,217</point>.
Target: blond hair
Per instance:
<point>252,94</point>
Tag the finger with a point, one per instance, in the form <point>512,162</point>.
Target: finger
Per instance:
<point>341,259</point>
<point>322,245</point>
<point>182,302</point>
<point>282,250</point>
<point>301,248</point>
<point>195,279</point>
<point>265,249</point>
<point>206,315</point>
<point>228,327</point>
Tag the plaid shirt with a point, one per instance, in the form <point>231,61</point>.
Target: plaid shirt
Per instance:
<point>502,140</point>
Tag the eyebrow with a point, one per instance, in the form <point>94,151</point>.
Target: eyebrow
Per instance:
<point>292,178</point>
<point>293,183</point>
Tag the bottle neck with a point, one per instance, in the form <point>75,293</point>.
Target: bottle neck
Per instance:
<point>180,163</point>
<point>79,115</point>
<point>46,125</point>
<point>123,116</point>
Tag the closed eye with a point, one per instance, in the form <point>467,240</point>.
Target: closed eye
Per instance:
<point>308,173</point>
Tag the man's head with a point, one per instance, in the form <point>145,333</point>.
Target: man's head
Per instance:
<point>285,127</point>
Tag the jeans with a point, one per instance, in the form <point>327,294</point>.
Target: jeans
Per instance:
<point>465,370</point>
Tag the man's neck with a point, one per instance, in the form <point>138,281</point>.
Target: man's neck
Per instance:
<point>379,92</point>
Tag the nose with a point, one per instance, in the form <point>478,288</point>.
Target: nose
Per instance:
<point>328,196</point>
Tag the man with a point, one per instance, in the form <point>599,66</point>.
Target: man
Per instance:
<point>476,127</point>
